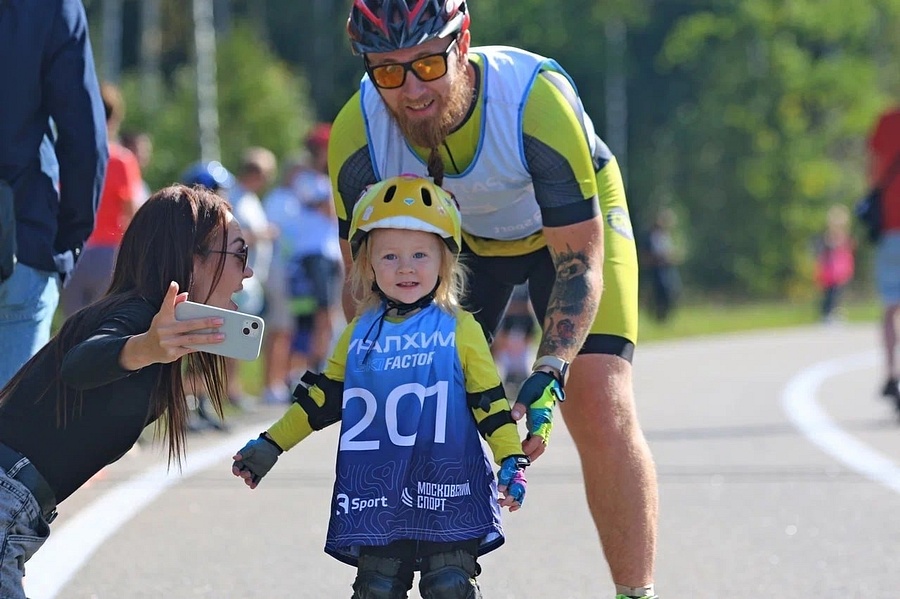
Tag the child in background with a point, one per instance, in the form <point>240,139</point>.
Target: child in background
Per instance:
<point>513,346</point>
<point>315,272</point>
<point>834,259</point>
<point>413,382</point>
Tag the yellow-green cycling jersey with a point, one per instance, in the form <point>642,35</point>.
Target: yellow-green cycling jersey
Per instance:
<point>515,166</point>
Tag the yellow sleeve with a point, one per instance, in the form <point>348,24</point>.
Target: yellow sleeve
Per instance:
<point>484,390</point>
<point>348,136</point>
<point>550,118</point>
<point>336,365</point>
<point>294,425</point>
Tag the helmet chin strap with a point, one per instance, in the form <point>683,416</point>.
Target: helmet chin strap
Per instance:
<point>402,309</point>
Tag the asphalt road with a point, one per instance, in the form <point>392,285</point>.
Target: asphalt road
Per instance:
<point>779,470</point>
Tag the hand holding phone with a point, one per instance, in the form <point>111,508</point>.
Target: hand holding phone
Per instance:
<point>243,332</point>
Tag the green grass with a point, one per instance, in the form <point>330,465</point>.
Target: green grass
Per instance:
<point>717,318</point>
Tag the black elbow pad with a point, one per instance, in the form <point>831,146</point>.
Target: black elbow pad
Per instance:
<point>328,413</point>
<point>484,399</point>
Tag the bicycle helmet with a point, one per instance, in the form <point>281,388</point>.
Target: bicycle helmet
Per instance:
<point>387,25</point>
<point>211,175</point>
<point>406,202</point>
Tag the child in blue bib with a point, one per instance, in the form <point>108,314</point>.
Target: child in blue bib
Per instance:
<point>413,383</point>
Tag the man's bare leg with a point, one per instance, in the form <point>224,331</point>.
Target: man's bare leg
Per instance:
<point>619,473</point>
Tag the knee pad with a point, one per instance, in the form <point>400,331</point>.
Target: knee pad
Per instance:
<point>381,578</point>
<point>450,575</point>
<point>371,585</point>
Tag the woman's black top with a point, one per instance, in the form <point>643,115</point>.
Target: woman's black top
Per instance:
<point>106,409</point>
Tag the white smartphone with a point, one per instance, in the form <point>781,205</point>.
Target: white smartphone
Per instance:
<point>243,332</point>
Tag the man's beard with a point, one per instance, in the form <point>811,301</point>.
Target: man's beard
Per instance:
<point>430,133</point>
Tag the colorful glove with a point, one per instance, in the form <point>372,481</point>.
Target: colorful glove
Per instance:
<point>257,457</point>
<point>512,476</point>
<point>540,392</point>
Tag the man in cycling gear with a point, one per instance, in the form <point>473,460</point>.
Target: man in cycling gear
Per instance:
<point>542,202</point>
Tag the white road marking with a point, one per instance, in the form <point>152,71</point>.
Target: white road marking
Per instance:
<point>799,402</point>
<point>70,547</point>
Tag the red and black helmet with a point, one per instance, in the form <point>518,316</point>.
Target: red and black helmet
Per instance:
<point>387,25</point>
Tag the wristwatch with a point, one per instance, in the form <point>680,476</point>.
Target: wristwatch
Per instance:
<point>555,363</point>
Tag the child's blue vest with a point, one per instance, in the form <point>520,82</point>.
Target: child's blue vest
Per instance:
<point>410,461</point>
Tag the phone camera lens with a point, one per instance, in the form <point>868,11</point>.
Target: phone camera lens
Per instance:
<point>254,325</point>
<point>246,331</point>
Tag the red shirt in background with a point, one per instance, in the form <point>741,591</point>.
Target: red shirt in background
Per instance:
<point>117,202</point>
<point>885,149</point>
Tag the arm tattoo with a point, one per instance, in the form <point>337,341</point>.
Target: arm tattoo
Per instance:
<point>572,305</point>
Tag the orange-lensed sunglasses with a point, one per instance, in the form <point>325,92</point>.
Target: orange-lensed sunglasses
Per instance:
<point>426,68</point>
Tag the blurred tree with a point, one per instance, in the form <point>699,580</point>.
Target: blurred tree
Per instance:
<point>313,36</point>
<point>781,95</point>
<point>261,102</point>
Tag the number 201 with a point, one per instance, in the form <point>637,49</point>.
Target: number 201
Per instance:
<point>439,390</point>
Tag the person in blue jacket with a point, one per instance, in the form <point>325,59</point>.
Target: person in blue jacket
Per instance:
<point>53,154</point>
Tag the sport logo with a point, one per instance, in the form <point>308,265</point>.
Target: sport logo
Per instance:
<point>343,503</point>
<point>357,504</point>
<point>434,496</point>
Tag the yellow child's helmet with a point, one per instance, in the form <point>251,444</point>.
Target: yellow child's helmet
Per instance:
<point>406,202</point>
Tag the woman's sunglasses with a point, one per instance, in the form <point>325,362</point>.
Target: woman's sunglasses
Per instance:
<point>426,68</point>
<point>243,254</point>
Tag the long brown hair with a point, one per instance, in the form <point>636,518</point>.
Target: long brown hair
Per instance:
<point>176,224</point>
